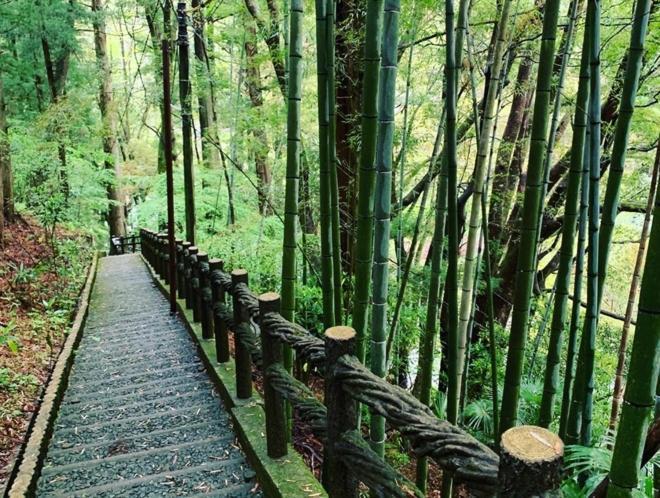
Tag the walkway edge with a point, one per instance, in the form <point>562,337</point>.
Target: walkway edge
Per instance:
<point>285,477</point>
<point>31,458</point>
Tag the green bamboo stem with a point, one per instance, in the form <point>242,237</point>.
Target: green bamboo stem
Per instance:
<point>581,408</point>
<point>571,348</point>
<point>551,379</point>
<point>332,160</point>
<point>325,217</point>
<point>640,395</point>
<point>365,223</point>
<point>528,239</point>
<point>617,392</point>
<point>451,286</point>
<point>387,95</point>
<point>474,229</point>
<point>638,33</point>
<point>293,159</point>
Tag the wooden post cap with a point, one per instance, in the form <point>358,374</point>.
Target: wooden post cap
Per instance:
<point>269,297</point>
<point>215,264</point>
<point>340,333</point>
<point>193,250</point>
<point>202,256</point>
<point>238,272</point>
<point>186,244</point>
<point>531,460</point>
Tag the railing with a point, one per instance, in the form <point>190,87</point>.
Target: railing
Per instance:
<point>125,245</point>
<point>348,459</point>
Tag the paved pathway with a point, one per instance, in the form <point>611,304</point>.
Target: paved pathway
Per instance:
<point>140,416</point>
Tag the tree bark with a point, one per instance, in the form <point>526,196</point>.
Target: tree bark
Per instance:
<point>348,78</point>
<point>204,87</point>
<point>6,175</point>
<point>271,35</point>
<point>115,214</point>
<point>253,82</point>
<point>56,75</point>
<point>505,178</point>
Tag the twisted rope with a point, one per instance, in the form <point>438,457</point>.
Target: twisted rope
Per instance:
<point>310,409</point>
<point>222,279</point>
<point>382,479</point>
<point>308,347</point>
<point>453,449</point>
<point>248,300</point>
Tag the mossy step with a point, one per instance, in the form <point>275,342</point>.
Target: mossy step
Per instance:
<point>100,413</point>
<point>89,372</point>
<point>118,381</point>
<point>140,357</point>
<point>113,391</point>
<point>152,391</point>
<point>68,435</point>
<point>91,473</point>
<point>155,439</point>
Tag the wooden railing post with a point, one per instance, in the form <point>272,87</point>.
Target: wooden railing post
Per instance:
<point>183,287</point>
<point>531,460</point>
<point>190,264</point>
<point>165,257</point>
<point>241,353</point>
<point>338,480</point>
<point>204,296</point>
<point>195,284</point>
<point>271,348</point>
<point>219,325</point>
<point>160,238</point>
<point>178,245</point>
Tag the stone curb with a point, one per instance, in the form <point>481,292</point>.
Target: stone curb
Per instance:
<point>28,464</point>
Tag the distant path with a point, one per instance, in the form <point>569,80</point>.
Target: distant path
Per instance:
<point>140,416</point>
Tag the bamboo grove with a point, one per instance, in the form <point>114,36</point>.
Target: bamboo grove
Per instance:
<point>470,186</point>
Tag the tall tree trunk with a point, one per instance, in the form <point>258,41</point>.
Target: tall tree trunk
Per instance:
<point>271,35</point>
<point>530,222</point>
<point>115,215</point>
<point>505,179</point>
<point>332,160</point>
<point>640,395</point>
<point>365,224</point>
<point>204,82</point>
<point>56,75</point>
<point>579,426</point>
<point>6,174</point>
<point>551,381</point>
<point>617,393</point>
<point>572,346</point>
<point>155,35</point>
<point>456,364</point>
<point>185,96</point>
<point>325,219</point>
<point>634,58</point>
<point>381,264</point>
<point>349,18</point>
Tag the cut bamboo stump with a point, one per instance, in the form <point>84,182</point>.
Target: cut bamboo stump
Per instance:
<point>531,461</point>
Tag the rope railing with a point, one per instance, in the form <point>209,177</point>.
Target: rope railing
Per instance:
<point>380,477</point>
<point>260,332</point>
<point>310,409</point>
<point>452,448</point>
<point>308,347</point>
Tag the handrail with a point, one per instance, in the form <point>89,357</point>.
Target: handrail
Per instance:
<point>206,284</point>
<point>125,245</point>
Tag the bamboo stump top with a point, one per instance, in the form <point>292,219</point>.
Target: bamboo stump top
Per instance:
<point>531,461</point>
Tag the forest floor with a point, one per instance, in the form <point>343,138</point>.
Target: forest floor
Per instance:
<point>39,286</point>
